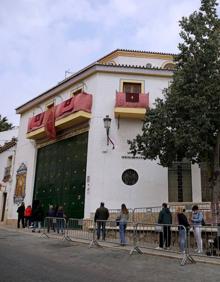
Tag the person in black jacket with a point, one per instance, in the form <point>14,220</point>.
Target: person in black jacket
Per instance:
<point>165,218</point>
<point>101,215</point>
<point>20,212</point>
<point>182,220</point>
<point>38,217</point>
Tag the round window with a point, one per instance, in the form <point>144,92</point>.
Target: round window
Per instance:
<point>129,177</point>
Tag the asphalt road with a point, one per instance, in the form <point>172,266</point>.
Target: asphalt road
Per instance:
<point>27,257</point>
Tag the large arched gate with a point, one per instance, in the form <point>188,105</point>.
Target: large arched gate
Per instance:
<point>61,174</point>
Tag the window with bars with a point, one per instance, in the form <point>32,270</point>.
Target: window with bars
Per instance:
<point>205,185</point>
<point>180,182</point>
<point>75,92</point>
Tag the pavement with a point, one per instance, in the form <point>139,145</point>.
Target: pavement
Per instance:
<point>27,256</point>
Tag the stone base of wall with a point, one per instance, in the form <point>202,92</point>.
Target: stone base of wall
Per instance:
<point>11,222</point>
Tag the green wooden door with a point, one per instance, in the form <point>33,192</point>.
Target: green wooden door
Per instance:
<point>60,175</point>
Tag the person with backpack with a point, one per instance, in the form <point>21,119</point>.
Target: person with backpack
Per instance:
<point>197,222</point>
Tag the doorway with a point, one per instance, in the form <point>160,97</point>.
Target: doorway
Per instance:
<point>3,205</point>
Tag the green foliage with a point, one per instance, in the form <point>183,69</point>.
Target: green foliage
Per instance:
<point>4,124</point>
<point>186,123</point>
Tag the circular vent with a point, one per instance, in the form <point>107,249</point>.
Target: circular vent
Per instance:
<point>130,177</point>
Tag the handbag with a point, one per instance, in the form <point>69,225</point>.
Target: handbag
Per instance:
<point>158,228</point>
<point>117,220</point>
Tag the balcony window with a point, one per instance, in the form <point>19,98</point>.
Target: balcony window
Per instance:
<point>129,87</point>
<point>76,92</point>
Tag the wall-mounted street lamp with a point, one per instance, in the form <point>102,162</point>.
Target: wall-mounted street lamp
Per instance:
<point>107,125</point>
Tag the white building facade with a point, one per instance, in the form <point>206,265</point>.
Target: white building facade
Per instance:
<point>63,152</point>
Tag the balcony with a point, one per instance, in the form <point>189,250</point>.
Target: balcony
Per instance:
<point>69,113</point>
<point>131,105</point>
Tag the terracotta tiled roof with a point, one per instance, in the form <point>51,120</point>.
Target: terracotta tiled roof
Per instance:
<point>8,145</point>
<point>134,66</point>
<point>136,51</point>
<point>147,52</point>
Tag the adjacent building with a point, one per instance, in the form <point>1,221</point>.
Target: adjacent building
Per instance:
<point>8,143</point>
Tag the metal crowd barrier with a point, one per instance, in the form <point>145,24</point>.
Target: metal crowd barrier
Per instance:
<point>162,237</point>
<point>150,214</point>
<point>110,232</point>
<point>80,229</point>
<point>114,213</point>
<point>146,214</point>
<point>55,224</point>
<point>203,241</point>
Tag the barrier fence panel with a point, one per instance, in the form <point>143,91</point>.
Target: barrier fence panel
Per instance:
<point>204,241</point>
<point>109,231</point>
<point>150,214</point>
<point>80,229</point>
<point>114,213</point>
<point>146,214</point>
<point>166,237</point>
<point>55,225</point>
<point>161,237</point>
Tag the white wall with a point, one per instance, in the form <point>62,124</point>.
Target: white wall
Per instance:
<point>105,166</point>
<point>196,184</point>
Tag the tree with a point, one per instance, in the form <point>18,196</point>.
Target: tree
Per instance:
<point>4,124</point>
<point>186,123</point>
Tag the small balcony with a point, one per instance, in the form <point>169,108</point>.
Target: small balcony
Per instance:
<point>69,113</point>
<point>131,105</point>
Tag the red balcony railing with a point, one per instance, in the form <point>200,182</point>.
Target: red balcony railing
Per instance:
<point>82,102</point>
<point>132,100</point>
<point>131,105</point>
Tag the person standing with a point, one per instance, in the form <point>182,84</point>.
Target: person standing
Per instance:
<point>27,215</point>
<point>60,219</point>
<point>165,217</point>
<point>38,216</point>
<point>123,219</point>
<point>51,221</point>
<point>101,215</point>
<point>20,212</point>
<point>182,220</point>
<point>197,219</point>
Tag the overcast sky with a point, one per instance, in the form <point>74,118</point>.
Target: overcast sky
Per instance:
<point>41,39</point>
